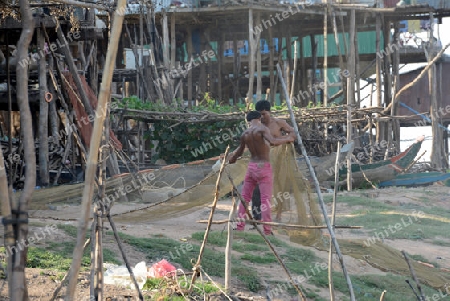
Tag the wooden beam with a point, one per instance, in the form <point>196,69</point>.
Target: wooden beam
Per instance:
<point>44,177</point>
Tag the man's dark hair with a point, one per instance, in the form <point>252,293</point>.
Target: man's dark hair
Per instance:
<point>262,105</point>
<point>253,115</point>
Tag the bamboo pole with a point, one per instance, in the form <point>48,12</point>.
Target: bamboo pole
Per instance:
<point>333,217</point>
<point>284,225</point>
<point>88,190</point>
<point>196,267</point>
<point>229,246</point>
<point>317,187</point>
<point>173,45</point>
<point>295,69</point>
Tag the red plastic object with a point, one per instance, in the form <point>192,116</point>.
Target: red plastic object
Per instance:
<point>160,269</point>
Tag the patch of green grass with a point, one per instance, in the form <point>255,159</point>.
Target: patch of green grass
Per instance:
<point>368,203</point>
<point>247,247</point>
<point>219,238</point>
<point>267,258</point>
<point>71,230</point>
<point>249,277</point>
<point>110,256</point>
<point>57,259</point>
<point>397,226</point>
<point>370,287</point>
<point>161,285</point>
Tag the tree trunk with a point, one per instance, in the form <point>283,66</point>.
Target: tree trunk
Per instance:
<point>17,283</point>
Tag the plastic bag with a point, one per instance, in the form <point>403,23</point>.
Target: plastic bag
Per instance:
<point>160,269</point>
<point>118,275</point>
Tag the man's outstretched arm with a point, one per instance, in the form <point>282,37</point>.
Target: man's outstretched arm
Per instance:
<point>285,127</point>
<point>277,141</point>
<point>238,152</point>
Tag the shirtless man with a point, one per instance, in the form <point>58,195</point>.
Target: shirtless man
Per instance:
<point>278,128</point>
<point>257,139</point>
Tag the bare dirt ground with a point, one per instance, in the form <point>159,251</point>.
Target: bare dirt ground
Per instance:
<point>42,283</point>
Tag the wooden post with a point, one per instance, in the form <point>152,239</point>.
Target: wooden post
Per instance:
<point>166,42</point>
<point>44,177</point>
<point>190,58</point>
<point>341,59</point>
<point>325,59</point>
<point>173,44</point>
<point>350,93</point>
<point>378,73</point>
<point>258,59</point>
<point>271,67</point>
<point>236,62</point>
<point>357,70</point>
<point>220,44</point>
<point>437,152</point>
<point>396,87</point>
<point>251,57</point>
<point>314,68</point>
<point>294,74</point>
<point>288,62</point>
<point>88,191</point>
<point>304,73</point>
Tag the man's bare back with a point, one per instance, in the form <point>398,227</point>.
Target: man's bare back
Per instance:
<point>258,140</point>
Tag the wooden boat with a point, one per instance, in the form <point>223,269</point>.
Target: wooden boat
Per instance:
<point>375,172</point>
<point>415,179</point>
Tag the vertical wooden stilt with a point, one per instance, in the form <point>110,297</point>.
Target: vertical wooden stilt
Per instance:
<point>190,58</point>
<point>236,63</point>
<point>251,58</point>
<point>220,43</point>
<point>379,134</point>
<point>271,66</point>
<point>350,93</point>
<point>258,60</point>
<point>166,41</point>
<point>173,45</point>
<point>325,57</point>
<point>44,178</point>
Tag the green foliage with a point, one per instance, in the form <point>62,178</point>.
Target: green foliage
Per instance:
<point>196,141</point>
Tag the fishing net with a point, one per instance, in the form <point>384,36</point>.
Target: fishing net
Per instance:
<point>301,207</point>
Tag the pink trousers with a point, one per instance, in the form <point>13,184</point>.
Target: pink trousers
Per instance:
<point>258,174</point>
